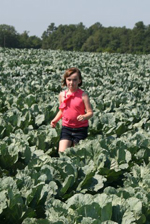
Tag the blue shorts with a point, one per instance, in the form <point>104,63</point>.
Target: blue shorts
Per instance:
<point>74,134</point>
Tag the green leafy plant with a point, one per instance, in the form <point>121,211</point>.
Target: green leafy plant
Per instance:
<point>102,180</point>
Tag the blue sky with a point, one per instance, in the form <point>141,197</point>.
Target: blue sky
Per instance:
<point>36,15</point>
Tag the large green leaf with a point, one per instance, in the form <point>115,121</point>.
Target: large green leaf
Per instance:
<point>3,200</point>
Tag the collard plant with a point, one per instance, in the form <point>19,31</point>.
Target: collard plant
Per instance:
<point>102,180</point>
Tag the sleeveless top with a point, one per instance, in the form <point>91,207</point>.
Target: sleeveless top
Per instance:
<point>72,107</point>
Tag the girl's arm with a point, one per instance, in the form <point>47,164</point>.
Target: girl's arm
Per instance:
<point>56,119</point>
<point>58,115</point>
<point>89,111</point>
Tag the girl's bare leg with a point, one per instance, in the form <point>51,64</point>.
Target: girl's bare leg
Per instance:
<point>64,144</point>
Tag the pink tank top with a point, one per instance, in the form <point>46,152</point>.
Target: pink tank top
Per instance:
<point>72,107</point>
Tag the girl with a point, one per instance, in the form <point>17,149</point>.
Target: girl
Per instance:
<point>74,109</point>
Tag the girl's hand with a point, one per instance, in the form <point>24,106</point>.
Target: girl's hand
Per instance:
<point>53,124</point>
<point>56,119</point>
<point>81,118</point>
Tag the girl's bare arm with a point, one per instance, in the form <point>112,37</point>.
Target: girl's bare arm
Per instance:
<point>58,115</point>
<point>89,111</point>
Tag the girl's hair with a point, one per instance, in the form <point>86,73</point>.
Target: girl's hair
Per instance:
<point>69,72</point>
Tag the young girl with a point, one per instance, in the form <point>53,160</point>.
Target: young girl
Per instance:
<point>74,110</point>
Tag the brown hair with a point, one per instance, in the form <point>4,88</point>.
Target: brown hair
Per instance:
<point>69,72</point>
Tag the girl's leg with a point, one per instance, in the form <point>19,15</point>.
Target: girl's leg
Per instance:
<point>64,144</point>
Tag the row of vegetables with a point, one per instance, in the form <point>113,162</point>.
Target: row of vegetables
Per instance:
<point>105,178</point>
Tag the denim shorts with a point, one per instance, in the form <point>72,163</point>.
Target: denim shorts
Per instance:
<point>74,134</point>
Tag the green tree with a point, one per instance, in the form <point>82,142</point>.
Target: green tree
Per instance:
<point>124,35</point>
<point>94,28</point>
<point>146,46</point>
<point>92,39</point>
<point>24,40</point>
<point>8,36</point>
<point>89,45</point>
<point>35,42</point>
<point>137,38</point>
<point>51,28</point>
<point>79,37</point>
<point>46,36</point>
<point>64,37</point>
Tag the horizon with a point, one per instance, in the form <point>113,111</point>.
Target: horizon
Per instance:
<point>35,16</point>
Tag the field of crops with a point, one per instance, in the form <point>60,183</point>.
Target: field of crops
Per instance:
<point>103,180</point>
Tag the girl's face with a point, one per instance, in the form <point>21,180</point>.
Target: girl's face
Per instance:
<point>73,81</point>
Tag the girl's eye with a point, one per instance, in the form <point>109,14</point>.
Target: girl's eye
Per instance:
<point>74,80</point>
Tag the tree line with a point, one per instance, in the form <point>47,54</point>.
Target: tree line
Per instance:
<point>96,38</point>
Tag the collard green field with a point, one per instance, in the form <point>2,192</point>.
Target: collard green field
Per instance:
<point>103,180</point>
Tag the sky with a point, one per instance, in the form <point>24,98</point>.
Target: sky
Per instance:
<point>34,16</point>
